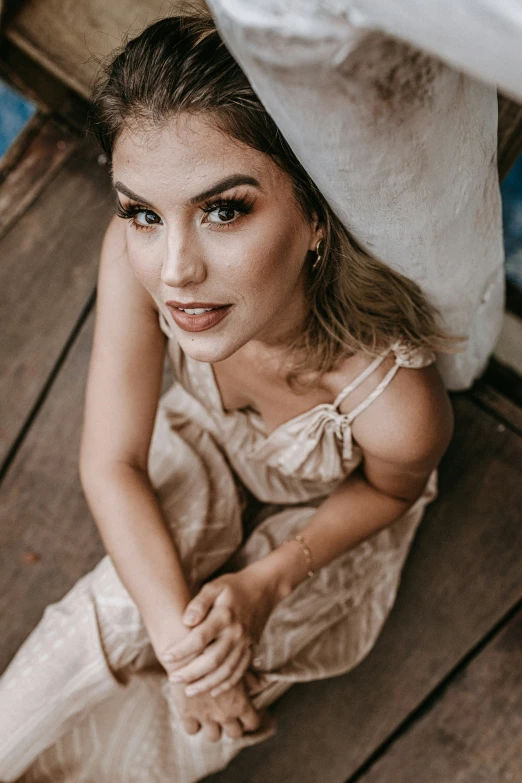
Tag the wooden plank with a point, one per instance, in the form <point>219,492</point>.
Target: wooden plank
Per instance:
<point>48,272</point>
<point>48,538</point>
<point>500,406</point>
<point>514,298</point>
<point>70,39</point>
<point>20,144</point>
<point>505,380</point>
<point>31,165</point>
<point>509,134</point>
<point>41,86</point>
<point>474,732</point>
<point>463,575</point>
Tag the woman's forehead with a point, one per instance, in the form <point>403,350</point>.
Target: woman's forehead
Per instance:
<point>189,153</point>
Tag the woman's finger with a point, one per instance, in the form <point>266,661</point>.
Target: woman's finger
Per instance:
<point>233,729</point>
<point>174,666</point>
<point>209,660</point>
<point>234,675</point>
<point>220,675</point>
<point>197,609</point>
<point>191,725</point>
<point>254,682</point>
<point>212,730</point>
<point>198,638</point>
<point>249,718</point>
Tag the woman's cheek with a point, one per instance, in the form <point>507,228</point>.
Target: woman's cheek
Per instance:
<point>147,273</point>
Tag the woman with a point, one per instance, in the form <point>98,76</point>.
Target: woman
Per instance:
<point>257,520</point>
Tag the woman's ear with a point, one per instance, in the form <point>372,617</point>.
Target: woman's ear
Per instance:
<point>319,234</point>
<point>317,229</point>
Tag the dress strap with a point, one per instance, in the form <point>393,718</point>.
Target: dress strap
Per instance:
<point>360,378</point>
<point>374,394</point>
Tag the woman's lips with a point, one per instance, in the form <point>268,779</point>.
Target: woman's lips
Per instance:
<point>198,323</point>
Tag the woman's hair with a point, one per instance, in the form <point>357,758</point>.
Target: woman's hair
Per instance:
<point>180,64</point>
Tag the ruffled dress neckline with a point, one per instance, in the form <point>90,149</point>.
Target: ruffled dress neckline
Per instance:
<point>328,408</point>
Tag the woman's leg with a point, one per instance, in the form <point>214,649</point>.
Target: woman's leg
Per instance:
<point>66,665</point>
<point>86,646</point>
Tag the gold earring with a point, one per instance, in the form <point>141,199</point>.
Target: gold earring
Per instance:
<point>319,252</point>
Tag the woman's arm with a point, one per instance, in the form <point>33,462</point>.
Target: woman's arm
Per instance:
<point>403,436</point>
<point>122,393</point>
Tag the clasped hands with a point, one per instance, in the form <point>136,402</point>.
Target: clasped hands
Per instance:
<point>226,618</point>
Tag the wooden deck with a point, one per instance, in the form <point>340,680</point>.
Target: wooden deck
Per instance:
<point>439,699</point>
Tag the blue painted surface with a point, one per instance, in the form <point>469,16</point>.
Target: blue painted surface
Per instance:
<point>512,214</point>
<point>15,112</point>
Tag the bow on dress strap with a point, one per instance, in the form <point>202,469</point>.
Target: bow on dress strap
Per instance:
<point>315,447</point>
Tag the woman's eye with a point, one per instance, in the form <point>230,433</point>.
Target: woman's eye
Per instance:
<point>146,218</point>
<point>223,214</point>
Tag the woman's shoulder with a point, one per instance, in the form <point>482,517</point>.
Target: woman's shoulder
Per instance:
<point>358,376</point>
<point>401,410</point>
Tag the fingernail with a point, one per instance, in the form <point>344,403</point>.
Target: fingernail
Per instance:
<point>175,678</point>
<point>190,691</point>
<point>215,692</point>
<point>190,617</point>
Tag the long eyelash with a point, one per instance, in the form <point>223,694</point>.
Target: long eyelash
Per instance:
<point>241,203</point>
<point>129,210</point>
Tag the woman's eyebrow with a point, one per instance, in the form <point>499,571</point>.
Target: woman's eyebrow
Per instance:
<point>126,192</point>
<point>225,184</point>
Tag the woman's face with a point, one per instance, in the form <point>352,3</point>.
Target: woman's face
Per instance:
<point>213,223</point>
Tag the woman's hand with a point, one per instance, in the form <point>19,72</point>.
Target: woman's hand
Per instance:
<point>226,618</point>
<point>231,712</point>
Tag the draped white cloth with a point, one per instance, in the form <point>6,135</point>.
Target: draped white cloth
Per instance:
<point>402,146</point>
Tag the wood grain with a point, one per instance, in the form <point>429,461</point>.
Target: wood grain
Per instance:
<point>462,576</point>
<point>473,733</point>
<point>38,84</point>
<point>43,510</point>
<point>70,39</point>
<point>502,407</point>
<point>23,176</point>
<point>48,272</point>
<point>48,538</point>
<point>509,134</point>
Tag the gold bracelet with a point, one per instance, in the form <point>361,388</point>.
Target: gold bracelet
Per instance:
<point>300,540</point>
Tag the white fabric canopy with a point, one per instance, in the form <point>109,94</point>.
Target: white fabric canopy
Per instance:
<point>402,145</point>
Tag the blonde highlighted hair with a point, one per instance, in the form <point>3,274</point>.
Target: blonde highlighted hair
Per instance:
<point>357,303</point>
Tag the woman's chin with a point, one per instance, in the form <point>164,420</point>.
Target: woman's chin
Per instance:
<point>206,348</point>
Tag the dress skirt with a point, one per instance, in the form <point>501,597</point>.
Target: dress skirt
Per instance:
<point>85,700</point>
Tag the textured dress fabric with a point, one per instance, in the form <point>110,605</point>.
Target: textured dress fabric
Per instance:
<point>86,701</point>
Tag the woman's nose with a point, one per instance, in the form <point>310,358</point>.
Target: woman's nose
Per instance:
<point>183,261</point>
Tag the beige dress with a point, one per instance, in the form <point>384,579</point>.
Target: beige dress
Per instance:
<point>85,700</point>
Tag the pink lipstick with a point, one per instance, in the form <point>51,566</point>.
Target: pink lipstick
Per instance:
<point>200,321</point>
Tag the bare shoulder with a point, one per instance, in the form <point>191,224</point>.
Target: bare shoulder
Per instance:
<point>410,422</point>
